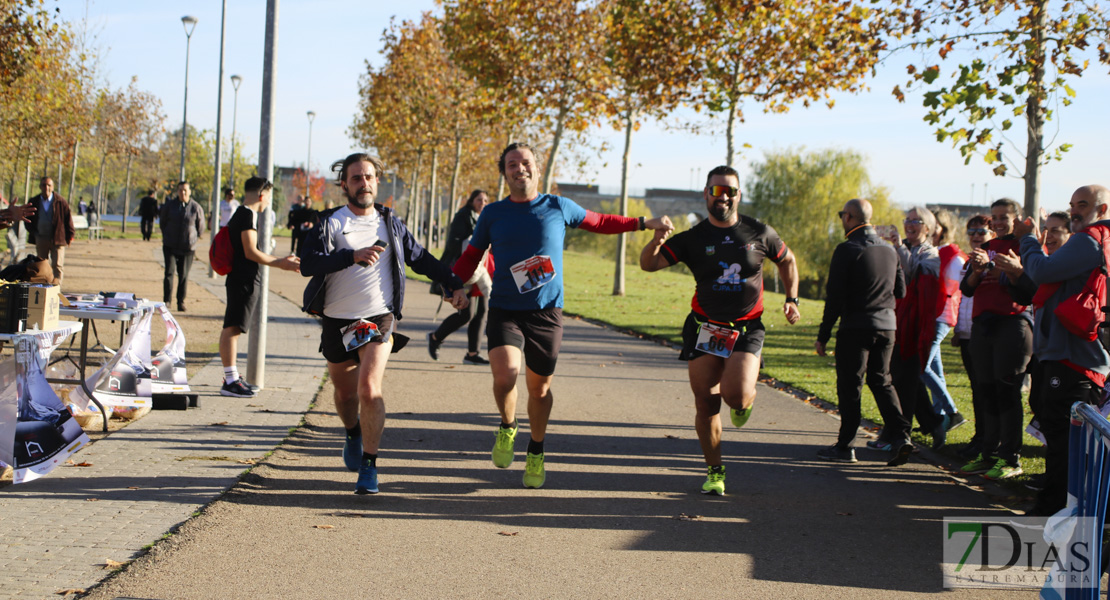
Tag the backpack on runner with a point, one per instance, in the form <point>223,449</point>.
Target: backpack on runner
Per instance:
<point>220,254</point>
<point>1085,313</point>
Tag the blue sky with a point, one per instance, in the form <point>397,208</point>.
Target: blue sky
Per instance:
<point>323,46</point>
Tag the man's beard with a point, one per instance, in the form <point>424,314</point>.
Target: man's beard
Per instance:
<point>354,199</point>
<point>722,213</point>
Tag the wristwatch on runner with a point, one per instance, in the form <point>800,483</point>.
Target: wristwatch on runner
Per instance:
<point>643,225</point>
<point>793,301</point>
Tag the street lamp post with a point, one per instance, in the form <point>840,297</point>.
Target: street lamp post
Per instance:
<point>308,161</point>
<point>214,199</point>
<point>189,23</point>
<point>235,81</point>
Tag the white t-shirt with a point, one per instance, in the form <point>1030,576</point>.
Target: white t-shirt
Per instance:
<point>226,210</point>
<point>358,292</point>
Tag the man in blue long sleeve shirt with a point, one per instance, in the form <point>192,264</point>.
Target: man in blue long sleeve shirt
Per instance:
<point>1074,369</point>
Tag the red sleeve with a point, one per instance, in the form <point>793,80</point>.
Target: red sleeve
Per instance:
<point>467,263</point>
<point>599,223</point>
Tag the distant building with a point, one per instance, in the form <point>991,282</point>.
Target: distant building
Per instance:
<point>961,212</point>
<point>661,201</point>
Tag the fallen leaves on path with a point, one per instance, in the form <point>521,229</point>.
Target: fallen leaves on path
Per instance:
<point>248,461</point>
<point>220,424</point>
<point>92,499</point>
<point>112,564</point>
<point>323,526</point>
<point>83,464</point>
<point>69,591</point>
<point>507,533</point>
<point>686,517</point>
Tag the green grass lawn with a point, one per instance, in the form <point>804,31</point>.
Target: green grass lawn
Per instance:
<point>656,304</point>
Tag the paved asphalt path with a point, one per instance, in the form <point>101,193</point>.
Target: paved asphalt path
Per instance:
<point>620,515</point>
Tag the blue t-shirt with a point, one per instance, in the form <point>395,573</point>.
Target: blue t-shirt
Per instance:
<point>526,239</point>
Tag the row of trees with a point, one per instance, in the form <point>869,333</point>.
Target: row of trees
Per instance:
<point>59,118</point>
<point>456,86</point>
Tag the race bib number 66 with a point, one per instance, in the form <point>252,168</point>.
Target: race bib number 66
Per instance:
<point>716,340</point>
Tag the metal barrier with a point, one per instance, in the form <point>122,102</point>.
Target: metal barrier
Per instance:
<point>1089,484</point>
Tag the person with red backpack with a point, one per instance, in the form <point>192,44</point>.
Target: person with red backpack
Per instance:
<point>243,282</point>
<point>1074,368</point>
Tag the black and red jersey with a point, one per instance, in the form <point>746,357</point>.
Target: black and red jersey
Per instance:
<point>727,263</point>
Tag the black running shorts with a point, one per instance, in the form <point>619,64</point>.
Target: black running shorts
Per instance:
<point>750,340</point>
<point>240,304</point>
<point>538,333</point>
<point>331,338</point>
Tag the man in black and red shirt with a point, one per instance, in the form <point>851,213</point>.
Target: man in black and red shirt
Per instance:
<point>723,336</point>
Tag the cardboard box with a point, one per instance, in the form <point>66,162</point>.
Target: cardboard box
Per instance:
<point>43,307</point>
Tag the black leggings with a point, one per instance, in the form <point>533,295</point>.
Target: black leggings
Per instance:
<point>1000,349</point>
<point>475,314</point>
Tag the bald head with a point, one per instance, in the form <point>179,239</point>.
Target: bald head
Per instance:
<point>859,209</point>
<point>1089,204</point>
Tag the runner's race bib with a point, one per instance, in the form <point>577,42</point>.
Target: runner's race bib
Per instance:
<point>533,273</point>
<point>360,333</point>
<point>716,340</point>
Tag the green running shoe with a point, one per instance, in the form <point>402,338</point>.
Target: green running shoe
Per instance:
<point>503,447</point>
<point>1002,470</point>
<point>740,417</point>
<point>715,480</point>
<point>981,464</point>
<point>534,474</point>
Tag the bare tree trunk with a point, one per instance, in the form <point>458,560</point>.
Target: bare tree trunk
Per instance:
<point>432,200</point>
<point>73,167</point>
<point>27,180</point>
<point>417,200</point>
<point>730,136</point>
<point>1035,112</point>
<point>501,177</point>
<point>15,172</point>
<point>455,173</point>
<point>410,202</point>
<point>127,194</point>
<point>100,183</point>
<point>622,243</point>
<point>549,169</point>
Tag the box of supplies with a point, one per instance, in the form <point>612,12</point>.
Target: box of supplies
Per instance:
<point>43,305</point>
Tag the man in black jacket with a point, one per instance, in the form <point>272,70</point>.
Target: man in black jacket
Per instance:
<point>148,209</point>
<point>865,277</point>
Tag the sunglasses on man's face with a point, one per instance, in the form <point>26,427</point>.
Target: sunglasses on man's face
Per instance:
<point>971,232</point>
<point>723,190</point>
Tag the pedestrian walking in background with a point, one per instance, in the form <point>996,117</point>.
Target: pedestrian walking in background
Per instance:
<point>458,235</point>
<point>182,224</point>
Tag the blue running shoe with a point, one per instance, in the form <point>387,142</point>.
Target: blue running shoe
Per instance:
<point>367,479</point>
<point>352,452</point>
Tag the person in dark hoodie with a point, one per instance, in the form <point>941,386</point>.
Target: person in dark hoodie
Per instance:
<point>1072,369</point>
<point>1001,346</point>
<point>865,279</point>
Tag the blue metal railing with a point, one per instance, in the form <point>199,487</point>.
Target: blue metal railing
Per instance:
<point>1089,484</point>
